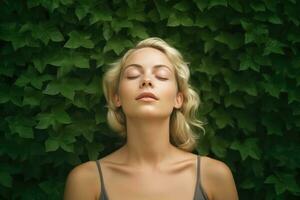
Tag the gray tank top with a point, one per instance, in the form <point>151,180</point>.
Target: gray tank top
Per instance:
<point>199,193</point>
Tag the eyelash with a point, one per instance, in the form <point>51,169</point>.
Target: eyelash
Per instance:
<point>162,78</point>
<point>134,77</point>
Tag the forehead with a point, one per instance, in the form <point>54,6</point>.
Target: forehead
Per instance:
<point>148,57</point>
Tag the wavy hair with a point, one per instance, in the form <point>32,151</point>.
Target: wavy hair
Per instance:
<point>182,120</point>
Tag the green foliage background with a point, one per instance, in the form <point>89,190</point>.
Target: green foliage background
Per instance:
<point>244,58</point>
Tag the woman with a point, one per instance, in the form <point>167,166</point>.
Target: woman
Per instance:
<point>152,105</point>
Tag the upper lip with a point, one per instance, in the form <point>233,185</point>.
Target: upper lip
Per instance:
<point>146,94</point>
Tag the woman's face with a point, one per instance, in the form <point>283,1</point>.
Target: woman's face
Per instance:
<point>148,70</point>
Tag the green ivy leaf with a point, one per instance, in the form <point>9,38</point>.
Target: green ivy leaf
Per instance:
<point>81,11</point>
<point>32,97</point>
<point>117,25</point>
<point>40,34</point>
<point>38,81</point>
<point>67,147</point>
<point>5,179</point>
<point>44,120</point>
<point>107,31</point>
<point>245,120</point>
<point>94,150</point>
<point>67,2</point>
<point>61,116</point>
<point>209,66</point>
<point>136,14</point>
<point>117,44</point>
<point>51,144</point>
<point>212,95</point>
<point>163,9</point>
<point>138,31</point>
<point>50,187</point>
<point>255,33</point>
<point>50,5</point>
<point>274,84</point>
<point>248,148</point>
<point>240,82</point>
<point>22,80</point>
<point>247,62</point>
<point>68,59</point>
<point>182,6</point>
<point>53,88</point>
<point>81,101</point>
<point>258,168</point>
<point>67,91</point>
<point>43,31</point>
<point>55,34</point>
<point>100,117</point>
<point>209,45</point>
<point>213,3</point>
<point>258,6</point>
<point>234,99</point>
<point>21,125</point>
<point>221,117</point>
<point>294,95</point>
<point>273,46</point>
<point>275,19</point>
<point>283,182</point>
<point>78,40</point>
<point>205,20</point>
<point>235,4</point>
<point>66,87</point>
<point>94,86</point>
<point>248,184</point>
<point>201,4</point>
<point>39,64</point>
<point>219,146</point>
<point>179,18</point>
<point>32,3</point>
<point>100,15</point>
<point>57,115</point>
<point>273,123</point>
<point>233,41</point>
<point>4,93</point>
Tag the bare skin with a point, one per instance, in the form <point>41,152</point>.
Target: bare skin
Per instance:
<point>148,166</point>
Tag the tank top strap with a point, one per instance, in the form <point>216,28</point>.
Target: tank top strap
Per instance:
<point>200,194</point>
<point>198,168</point>
<point>103,191</point>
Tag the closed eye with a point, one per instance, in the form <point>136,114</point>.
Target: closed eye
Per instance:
<point>132,77</point>
<point>162,78</point>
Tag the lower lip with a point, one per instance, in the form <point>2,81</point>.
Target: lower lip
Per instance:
<point>147,99</point>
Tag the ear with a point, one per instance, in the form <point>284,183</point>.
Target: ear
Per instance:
<point>117,100</point>
<point>179,100</point>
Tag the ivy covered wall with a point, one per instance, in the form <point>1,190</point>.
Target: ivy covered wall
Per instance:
<point>244,59</point>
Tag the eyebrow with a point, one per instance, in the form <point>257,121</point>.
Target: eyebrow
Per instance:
<point>140,66</point>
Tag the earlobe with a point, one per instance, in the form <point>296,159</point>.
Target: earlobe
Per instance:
<point>117,100</point>
<point>179,100</point>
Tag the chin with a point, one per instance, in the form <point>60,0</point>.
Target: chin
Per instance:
<point>149,114</point>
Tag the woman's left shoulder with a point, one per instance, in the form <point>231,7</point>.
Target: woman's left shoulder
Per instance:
<point>214,167</point>
<point>218,177</point>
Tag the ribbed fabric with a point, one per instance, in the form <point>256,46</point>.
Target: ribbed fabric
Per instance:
<point>199,193</point>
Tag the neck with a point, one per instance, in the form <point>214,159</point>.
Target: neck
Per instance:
<point>148,144</point>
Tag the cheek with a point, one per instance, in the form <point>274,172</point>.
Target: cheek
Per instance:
<point>126,90</point>
<point>169,92</point>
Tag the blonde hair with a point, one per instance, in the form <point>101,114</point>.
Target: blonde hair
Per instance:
<point>181,121</point>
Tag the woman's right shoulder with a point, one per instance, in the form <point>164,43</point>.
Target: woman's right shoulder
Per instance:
<point>83,182</point>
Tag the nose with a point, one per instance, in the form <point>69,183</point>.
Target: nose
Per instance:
<point>146,82</point>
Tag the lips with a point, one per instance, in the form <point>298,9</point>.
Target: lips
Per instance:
<point>146,94</point>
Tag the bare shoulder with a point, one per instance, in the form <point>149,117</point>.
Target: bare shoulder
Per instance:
<point>218,179</point>
<point>215,168</point>
<point>82,182</point>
